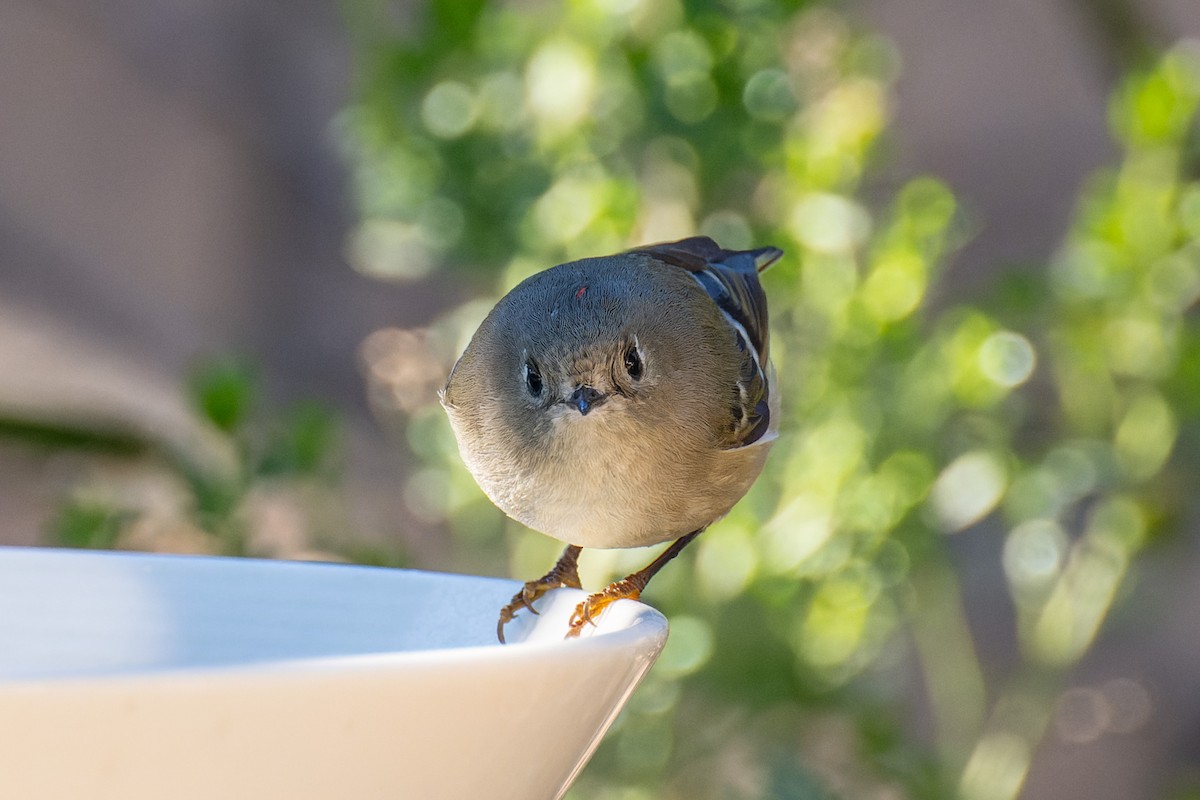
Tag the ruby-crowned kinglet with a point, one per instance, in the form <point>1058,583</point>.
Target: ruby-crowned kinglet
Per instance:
<point>620,401</point>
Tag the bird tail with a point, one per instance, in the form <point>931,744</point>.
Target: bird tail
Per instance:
<point>765,257</point>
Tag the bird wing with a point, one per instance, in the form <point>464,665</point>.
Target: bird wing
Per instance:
<point>730,277</point>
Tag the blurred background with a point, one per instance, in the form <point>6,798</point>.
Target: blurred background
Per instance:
<point>241,245</point>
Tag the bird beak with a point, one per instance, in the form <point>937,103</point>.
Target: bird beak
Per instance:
<point>585,398</point>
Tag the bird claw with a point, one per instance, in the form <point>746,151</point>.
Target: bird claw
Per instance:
<point>532,590</point>
<point>594,605</point>
<point>522,599</point>
<point>528,597</point>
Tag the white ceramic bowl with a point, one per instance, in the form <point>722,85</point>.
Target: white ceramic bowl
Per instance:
<point>131,677</point>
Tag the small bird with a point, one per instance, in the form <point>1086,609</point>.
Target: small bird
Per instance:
<point>620,401</point>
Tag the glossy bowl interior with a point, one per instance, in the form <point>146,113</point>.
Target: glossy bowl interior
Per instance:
<point>137,676</point>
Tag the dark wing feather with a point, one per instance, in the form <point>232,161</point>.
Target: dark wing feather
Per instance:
<point>730,277</point>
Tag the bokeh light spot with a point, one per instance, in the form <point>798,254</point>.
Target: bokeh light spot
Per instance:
<point>796,532</point>
<point>691,97</point>
<point>968,489</point>
<point>1135,346</point>
<point>727,561</point>
<point>618,8</point>
<point>1081,715</point>
<point>1129,705</point>
<point>833,628</point>
<point>1007,358</point>
<point>1084,591</point>
<point>682,53</point>
<point>1146,435</point>
<point>895,287</point>
<point>1086,270</point>
<point>566,209</point>
<point>996,768</point>
<point>768,95</point>
<point>389,249</point>
<point>688,648</point>
<point>1033,554</point>
<point>559,80</point>
<point>449,110</point>
<point>829,223</point>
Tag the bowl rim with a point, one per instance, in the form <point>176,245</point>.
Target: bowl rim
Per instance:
<point>647,630</point>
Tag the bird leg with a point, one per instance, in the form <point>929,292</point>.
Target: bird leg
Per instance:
<point>563,573</point>
<point>629,588</point>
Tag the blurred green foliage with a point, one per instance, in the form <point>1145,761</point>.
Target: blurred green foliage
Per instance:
<point>274,495</point>
<point>90,525</point>
<point>1055,416</point>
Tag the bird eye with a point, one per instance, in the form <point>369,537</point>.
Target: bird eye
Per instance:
<point>533,379</point>
<point>633,363</point>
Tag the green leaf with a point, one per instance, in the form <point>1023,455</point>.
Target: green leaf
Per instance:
<point>224,391</point>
